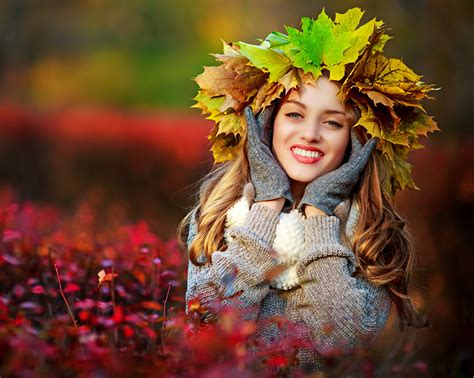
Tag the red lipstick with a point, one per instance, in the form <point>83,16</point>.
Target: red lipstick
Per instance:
<point>306,159</point>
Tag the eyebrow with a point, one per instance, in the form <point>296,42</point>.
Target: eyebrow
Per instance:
<point>295,102</point>
<point>333,111</point>
<point>328,111</point>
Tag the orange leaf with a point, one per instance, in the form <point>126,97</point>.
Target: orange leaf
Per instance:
<point>104,277</point>
<point>152,305</point>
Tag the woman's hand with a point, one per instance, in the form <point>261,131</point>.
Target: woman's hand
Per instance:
<point>328,191</point>
<point>269,179</point>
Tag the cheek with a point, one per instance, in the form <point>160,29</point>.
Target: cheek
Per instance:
<point>340,148</point>
<point>280,136</point>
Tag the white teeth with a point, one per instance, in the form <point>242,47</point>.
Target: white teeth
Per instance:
<point>306,153</point>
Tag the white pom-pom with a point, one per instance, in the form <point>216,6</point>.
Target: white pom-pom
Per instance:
<point>288,243</point>
<point>286,280</point>
<point>289,238</point>
<point>237,213</point>
<point>236,216</point>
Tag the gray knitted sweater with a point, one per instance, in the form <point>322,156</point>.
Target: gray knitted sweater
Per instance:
<point>341,311</point>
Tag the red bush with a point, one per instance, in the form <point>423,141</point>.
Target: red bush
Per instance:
<point>78,299</point>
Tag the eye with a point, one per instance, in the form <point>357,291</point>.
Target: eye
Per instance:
<point>294,115</point>
<point>334,124</point>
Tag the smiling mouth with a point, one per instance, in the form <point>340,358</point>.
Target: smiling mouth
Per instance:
<point>306,156</point>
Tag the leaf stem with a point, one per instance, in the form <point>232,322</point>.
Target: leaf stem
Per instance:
<point>164,305</point>
<point>164,318</point>
<point>64,297</point>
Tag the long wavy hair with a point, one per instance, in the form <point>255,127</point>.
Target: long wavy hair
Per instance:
<point>382,243</point>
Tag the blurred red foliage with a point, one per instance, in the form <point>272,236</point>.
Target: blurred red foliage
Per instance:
<point>141,160</point>
<point>84,298</point>
<point>181,136</point>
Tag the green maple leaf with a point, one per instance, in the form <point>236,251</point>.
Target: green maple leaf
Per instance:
<point>277,41</point>
<point>310,42</point>
<point>324,43</point>
<point>209,105</point>
<point>266,59</point>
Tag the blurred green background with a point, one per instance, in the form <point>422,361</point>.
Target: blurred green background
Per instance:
<point>144,53</point>
<point>94,105</point>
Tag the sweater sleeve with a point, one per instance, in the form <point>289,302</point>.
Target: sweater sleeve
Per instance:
<point>239,271</point>
<point>341,311</point>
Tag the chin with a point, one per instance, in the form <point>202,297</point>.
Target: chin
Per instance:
<point>303,177</point>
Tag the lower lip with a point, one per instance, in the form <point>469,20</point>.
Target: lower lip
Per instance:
<point>305,159</point>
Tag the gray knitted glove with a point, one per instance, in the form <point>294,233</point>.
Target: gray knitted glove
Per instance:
<point>269,179</point>
<point>329,190</point>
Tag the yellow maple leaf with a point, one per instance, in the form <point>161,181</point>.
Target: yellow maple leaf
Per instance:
<point>225,147</point>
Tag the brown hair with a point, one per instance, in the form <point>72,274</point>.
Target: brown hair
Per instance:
<point>383,246</point>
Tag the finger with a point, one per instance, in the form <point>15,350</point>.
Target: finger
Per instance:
<point>253,129</point>
<point>265,116</point>
<point>361,158</point>
<point>371,144</point>
<point>356,145</point>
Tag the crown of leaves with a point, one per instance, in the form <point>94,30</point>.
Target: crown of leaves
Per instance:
<point>386,92</point>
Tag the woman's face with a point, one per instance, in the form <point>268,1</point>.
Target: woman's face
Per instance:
<point>311,132</point>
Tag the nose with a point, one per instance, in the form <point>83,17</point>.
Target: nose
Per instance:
<point>311,132</point>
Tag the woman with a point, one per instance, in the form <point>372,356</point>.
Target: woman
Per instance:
<point>300,222</point>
